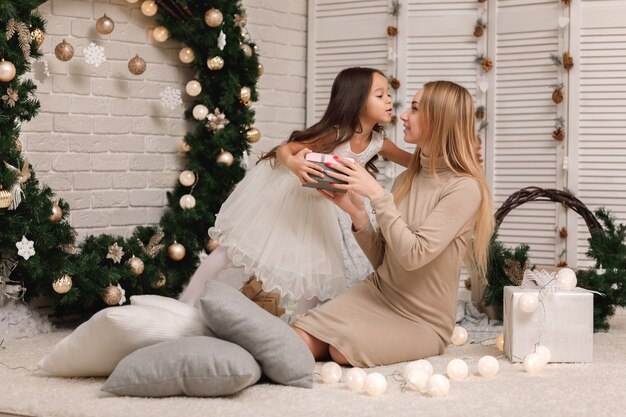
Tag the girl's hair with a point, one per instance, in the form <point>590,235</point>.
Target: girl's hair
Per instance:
<point>341,120</point>
<point>447,116</point>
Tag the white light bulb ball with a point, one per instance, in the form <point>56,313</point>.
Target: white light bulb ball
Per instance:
<point>459,336</point>
<point>533,363</point>
<point>330,373</point>
<point>186,55</point>
<point>187,201</point>
<point>132,1</point>
<point>438,386</point>
<point>457,369</point>
<point>160,34</point>
<point>149,8</point>
<point>193,88</point>
<point>417,379</point>
<point>529,302</point>
<point>488,366</point>
<point>200,112</point>
<point>375,384</point>
<point>422,363</point>
<point>187,178</point>
<point>355,379</point>
<point>566,279</point>
<point>500,342</point>
<point>544,353</point>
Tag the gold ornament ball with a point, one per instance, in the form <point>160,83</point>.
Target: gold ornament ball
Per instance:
<point>225,158</point>
<point>6,198</point>
<point>253,135</point>
<point>187,178</point>
<point>105,25</point>
<point>247,50</point>
<point>215,63</point>
<point>62,285</point>
<point>176,251</point>
<point>149,8</point>
<point>187,202</point>
<point>245,94</point>
<point>160,283</point>
<point>261,69</point>
<point>213,17</point>
<point>210,245</point>
<point>160,34</point>
<point>193,88</point>
<point>7,71</point>
<point>64,51</point>
<point>136,265</point>
<point>38,36</point>
<point>57,213</point>
<point>137,65</point>
<point>186,55</point>
<point>112,295</point>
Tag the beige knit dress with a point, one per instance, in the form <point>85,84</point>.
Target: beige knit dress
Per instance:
<point>405,310</point>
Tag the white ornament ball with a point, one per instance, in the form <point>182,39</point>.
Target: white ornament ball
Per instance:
<point>438,386</point>
<point>417,379</point>
<point>330,373</point>
<point>200,112</point>
<point>566,279</point>
<point>533,363</point>
<point>187,201</point>
<point>375,384</point>
<point>529,302</point>
<point>457,369</point>
<point>193,88</point>
<point>187,178</point>
<point>149,8</point>
<point>500,342</point>
<point>160,34</point>
<point>544,353</point>
<point>459,336</point>
<point>488,366</point>
<point>7,71</point>
<point>186,55</point>
<point>355,379</point>
<point>422,363</point>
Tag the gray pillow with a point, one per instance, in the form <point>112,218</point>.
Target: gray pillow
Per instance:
<point>198,366</point>
<point>284,357</point>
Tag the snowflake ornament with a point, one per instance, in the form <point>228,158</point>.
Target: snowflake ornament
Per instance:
<point>123,291</point>
<point>217,120</point>
<point>25,248</point>
<point>94,55</point>
<point>115,253</point>
<point>221,41</point>
<point>40,68</point>
<point>170,98</point>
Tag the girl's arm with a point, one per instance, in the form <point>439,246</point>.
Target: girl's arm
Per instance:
<point>292,155</point>
<point>392,153</point>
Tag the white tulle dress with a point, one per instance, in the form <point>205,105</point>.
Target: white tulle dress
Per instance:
<point>289,236</point>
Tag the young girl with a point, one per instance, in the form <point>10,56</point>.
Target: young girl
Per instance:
<point>287,235</point>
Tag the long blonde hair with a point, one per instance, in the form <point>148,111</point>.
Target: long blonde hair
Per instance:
<point>447,113</point>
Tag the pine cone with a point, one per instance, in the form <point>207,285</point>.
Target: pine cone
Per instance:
<point>482,1</point>
<point>563,232</point>
<point>395,83</point>
<point>558,134</point>
<point>561,264</point>
<point>392,31</point>
<point>568,61</point>
<point>486,64</point>
<point>565,2</point>
<point>479,31</point>
<point>557,96</point>
<point>394,119</point>
<point>468,283</point>
<point>480,113</point>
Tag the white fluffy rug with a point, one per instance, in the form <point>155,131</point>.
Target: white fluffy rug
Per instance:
<point>559,390</point>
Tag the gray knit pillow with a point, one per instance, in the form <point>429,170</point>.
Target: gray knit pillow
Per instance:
<point>284,357</point>
<point>198,366</point>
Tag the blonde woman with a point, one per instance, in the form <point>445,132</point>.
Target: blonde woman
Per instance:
<point>405,310</point>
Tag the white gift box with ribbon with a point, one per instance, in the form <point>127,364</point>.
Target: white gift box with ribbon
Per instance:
<point>539,313</point>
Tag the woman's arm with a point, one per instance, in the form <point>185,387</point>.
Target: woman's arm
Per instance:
<point>392,153</point>
<point>292,155</point>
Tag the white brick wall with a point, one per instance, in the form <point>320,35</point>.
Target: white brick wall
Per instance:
<point>103,142</point>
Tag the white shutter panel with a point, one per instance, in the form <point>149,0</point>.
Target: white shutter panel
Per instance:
<point>601,113</point>
<point>342,33</point>
<point>525,153</point>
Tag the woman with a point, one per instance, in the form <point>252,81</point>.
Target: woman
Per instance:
<point>405,310</point>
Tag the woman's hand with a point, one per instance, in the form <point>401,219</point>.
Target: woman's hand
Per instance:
<point>298,164</point>
<point>351,203</point>
<point>358,179</point>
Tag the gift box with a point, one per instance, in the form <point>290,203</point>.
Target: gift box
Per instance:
<point>562,321</point>
<point>320,159</point>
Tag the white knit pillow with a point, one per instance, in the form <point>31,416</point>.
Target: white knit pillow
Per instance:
<point>96,346</point>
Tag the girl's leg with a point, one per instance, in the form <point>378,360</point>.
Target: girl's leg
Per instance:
<point>207,270</point>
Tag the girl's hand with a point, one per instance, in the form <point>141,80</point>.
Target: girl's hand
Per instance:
<point>358,179</point>
<point>298,164</point>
